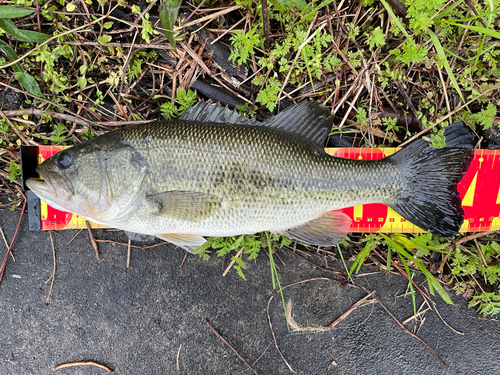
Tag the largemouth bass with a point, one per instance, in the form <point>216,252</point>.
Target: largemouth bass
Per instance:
<point>215,173</point>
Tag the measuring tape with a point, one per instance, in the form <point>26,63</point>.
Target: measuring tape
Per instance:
<point>479,190</point>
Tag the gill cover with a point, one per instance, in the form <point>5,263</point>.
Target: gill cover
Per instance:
<point>125,175</point>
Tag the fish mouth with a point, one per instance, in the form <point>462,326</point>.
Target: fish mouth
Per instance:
<point>53,187</point>
<point>40,187</point>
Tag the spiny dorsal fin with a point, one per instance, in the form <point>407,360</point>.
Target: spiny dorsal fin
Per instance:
<point>214,112</point>
<point>307,119</point>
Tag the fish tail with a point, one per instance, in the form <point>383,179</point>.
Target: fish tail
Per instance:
<point>429,197</point>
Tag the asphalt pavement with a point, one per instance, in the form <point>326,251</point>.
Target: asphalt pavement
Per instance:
<point>151,318</point>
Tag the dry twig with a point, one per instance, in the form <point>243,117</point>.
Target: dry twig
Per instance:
<point>297,328</point>
<point>86,363</point>
<point>4,262</point>
<point>228,344</point>
<point>51,278</point>
<point>178,354</point>
<point>128,253</point>
<point>94,243</point>
<point>232,262</point>
<point>409,332</point>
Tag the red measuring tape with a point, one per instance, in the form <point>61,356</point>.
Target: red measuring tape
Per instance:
<point>479,190</point>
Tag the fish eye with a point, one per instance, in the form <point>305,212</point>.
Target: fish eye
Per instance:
<point>64,160</point>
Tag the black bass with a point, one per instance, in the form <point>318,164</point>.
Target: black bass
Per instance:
<point>215,173</point>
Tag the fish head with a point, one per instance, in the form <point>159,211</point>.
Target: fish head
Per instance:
<point>100,182</point>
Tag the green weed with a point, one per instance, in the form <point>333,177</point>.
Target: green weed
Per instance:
<point>376,38</point>
<point>469,262</point>
<point>59,133</point>
<point>135,65</point>
<point>247,110</point>
<point>4,131</point>
<point>244,43</point>
<point>87,133</point>
<point>183,98</point>
<point>486,117</point>
<point>269,94</point>
<point>251,245</point>
<point>14,171</point>
<point>409,250</point>
<point>276,61</point>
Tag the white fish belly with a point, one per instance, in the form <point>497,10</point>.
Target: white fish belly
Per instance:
<point>227,222</point>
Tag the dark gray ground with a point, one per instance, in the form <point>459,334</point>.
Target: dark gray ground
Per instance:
<point>135,320</point>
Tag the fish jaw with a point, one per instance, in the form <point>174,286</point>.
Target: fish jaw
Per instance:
<point>45,192</point>
<point>53,189</point>
<point>48,194</point>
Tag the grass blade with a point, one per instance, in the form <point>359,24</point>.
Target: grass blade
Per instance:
<point>274,273</point>
<point>360,258</point>
<point>316,9</point>
<point>306,60</point>
<point>475,17</point>
<point>7,11</point>
<point>25,79</point>
<point>388,265</point>
<point>442,57</point>
<point>300,4</point>
<point>433,283</point>
<point>343,261</point>
<point>24,35</point>
<point>168,14</point>
<point>11,55</point>
<point>478,29</point>
<point>395,19</point>
<point>30,84</point>
<point>410,281</point>
<point>446,11</point>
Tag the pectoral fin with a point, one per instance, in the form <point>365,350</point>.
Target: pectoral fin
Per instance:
<point>188,242</point>
<point>183,205</point>
<point>327,230</point>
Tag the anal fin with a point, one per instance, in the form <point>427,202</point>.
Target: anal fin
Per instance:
<point>188,242</point>
<point>327,230</point>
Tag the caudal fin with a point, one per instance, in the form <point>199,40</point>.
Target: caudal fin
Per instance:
<point>459,135</point>
<point>429,197</point>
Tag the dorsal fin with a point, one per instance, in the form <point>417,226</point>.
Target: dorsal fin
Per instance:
<point>308,119</point>
<point>214,112</point>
